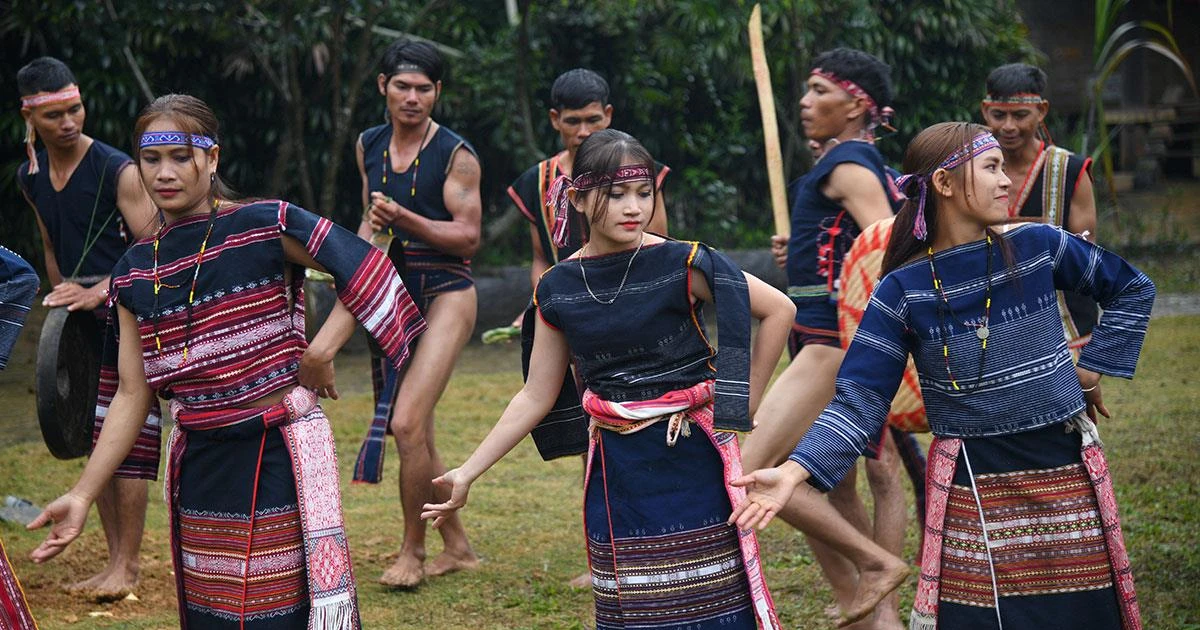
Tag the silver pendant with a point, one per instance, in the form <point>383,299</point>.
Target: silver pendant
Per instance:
<point>982,332</point>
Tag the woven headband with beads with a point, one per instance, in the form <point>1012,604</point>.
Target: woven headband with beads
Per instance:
<point>158,138</point>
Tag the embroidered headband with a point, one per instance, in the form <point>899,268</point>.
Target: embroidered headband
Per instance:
<point>556,197</point>
<point>157,138</point>
<point>879,116</point>
<point>983,142</point>
<point>1021,99</point>
<point>37,100</point>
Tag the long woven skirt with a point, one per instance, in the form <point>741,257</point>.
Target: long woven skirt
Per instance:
<point>661,555</point>
<point>238,561</point>
<point>1050,563</point>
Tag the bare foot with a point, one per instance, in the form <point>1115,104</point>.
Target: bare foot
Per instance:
<point>113,587</point>
<point>90,584</point>
<point>407,572</point>
<point>447,562</point>
<point>874,583</point>
<point>832,611</point>
<point>580,582</point>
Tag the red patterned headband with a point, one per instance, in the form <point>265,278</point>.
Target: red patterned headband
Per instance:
<point>68,93</point>
<point>557,195</point>
<point>46,98</point>
<point>879,116</point>
<point>983,141</point>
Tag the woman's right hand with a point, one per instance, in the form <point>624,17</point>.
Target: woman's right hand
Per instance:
<point>767,491</point>
<point>459,485</point>
<point>68,513</point>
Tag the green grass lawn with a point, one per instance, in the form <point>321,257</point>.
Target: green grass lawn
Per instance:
<point>525,515</point>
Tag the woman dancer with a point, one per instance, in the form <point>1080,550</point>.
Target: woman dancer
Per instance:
<point>1021,523</point>
<point>210,316</point>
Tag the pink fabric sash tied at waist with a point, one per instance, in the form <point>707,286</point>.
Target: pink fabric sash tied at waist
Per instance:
<point>680,407</point>
<point>309,439</point>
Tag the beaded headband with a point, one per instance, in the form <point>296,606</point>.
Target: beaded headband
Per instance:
<point>984,141</point>
<point>157,138</point>
<point>879,116</point>
<point>1022,99</point>
<point>557,195</point>
<point>405,66</point>
<point>68,93</point>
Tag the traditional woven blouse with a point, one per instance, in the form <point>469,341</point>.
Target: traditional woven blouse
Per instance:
<point>246,333</point>
<point>1027,379</point>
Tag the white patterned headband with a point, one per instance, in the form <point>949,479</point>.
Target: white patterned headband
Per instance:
<point>158,138</point>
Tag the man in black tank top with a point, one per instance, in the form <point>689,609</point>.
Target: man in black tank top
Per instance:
<point>421,191</point>
<point>89,208</point>
<point>1051,183</point>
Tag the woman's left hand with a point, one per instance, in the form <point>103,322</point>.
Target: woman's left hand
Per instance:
<point>1090,382</point>
<point>316,373</point>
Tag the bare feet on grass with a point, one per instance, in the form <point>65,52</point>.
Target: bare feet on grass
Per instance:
<point>449,562</point>
<point>406,573</point>
<point>874,583</point>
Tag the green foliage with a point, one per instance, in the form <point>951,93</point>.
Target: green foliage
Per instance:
<point>1113,44</point>
<point>293,83</point>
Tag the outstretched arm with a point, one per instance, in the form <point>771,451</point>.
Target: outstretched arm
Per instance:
<point>126,415</point>
<point>546,368</point>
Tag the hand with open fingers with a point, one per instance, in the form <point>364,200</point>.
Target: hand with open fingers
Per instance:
<point>317,374</point>
<point>68,513</point>
<point>767,491</point>
<point>779,245</point>
<point>459,486</point>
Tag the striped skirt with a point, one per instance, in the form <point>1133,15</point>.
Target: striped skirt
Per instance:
<point>660,553</point>
<point>1049,551</point>
<point>218,533</point>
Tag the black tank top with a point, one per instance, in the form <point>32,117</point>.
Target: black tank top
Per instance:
<point>84,211</point>
<point>436,158</point>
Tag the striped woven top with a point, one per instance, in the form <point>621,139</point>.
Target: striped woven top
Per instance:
<point>1028,379</point>
<point>246,334</point>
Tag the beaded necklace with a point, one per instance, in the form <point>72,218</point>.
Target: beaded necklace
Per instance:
<point>158,283</point>
<point>943,306</point>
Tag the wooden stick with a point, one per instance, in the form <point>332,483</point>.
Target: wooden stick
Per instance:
<point>766,104</point>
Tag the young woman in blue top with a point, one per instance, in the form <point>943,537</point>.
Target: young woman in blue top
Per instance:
<point>1021,523</point>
